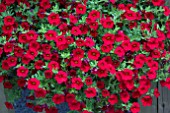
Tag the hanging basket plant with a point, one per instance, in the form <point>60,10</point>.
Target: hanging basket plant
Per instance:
<point>99,56</point>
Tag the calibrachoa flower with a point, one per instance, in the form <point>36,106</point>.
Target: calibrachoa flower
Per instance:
<point>135,108</point>
<point>74,105</point>
<point>22,71</point>
<point>77,83</point>
<point>90,92</point>
<point>33,84</point>
<point>96,56</point>
<point>9,105</point>
<point>113,99</point>
<point>40,93</point>
<point>93,54</point>
<point>146,100</point>
<point>81,9</point>
<point>58,98</point>
<point>54,19</point>
<point>61,77</point>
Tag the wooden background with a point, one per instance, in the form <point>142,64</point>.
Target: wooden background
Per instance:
<point>161,104</point>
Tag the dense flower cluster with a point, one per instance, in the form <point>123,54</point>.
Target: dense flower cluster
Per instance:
<point>96,55</point>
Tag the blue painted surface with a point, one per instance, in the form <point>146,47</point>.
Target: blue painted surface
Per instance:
<point>20,106</point>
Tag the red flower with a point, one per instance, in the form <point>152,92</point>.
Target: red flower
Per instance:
<point>50,35</point>
<point>93,54</point>
<point>54,19</point>
<point>45,4</point>
<point>126,45</point>
<point>1,51</point>
<point>58,98</point>
<point>135,46</point>
<point>76,62</point>
<point>1,78</point>
<point>69,40</point>
<point>21,82</point>
<point>53,65</point>
<point>75,31</point>
<point>124,96</point>
<point>130,15</point>
<point>102,64</point>
<point>32,35</point>
<point>22,71</point>
<point>85,66</point>
<point>136,94</point>
<point>89,81</point>
<point>12,61</point>
<point>119,51</point>
<point>113,99</point>
<point>74,105</point>
<point>94,15</point>
<point>93,25</point>
<point>107,23</point>
<point>77,83</point>
<point>7,29</point>
<point>127,74</point>
<point>102,73</point>
<point>34,45</point>
<point>60,40</point>
<point>7,85</point>
<point>108,39</point>
<point>39,64</point>
<point>167,83</point>
<point>48,74</point>
<point>151,74</point>
<point>5,65</point>
<point>9,20</point>
<point>33,84</point>
<point>158,2</point>
<point>2,7</point>
<point>111,69</point>
<point>129,84</point>
<point>112,1</point>
<point>78,52</point>
<point>85,111</point>
<point>155,54</point>
<point>100,84</point>
<point>61,77</point>
<point>18,51</point>
<point>25,25</point>
<point>90,92</point>
<point>9,105</point>
<point>8,47</point>
<point>105,93</point>
<point>146,100</point>
<point>51,110</point>
<point>80,42</point>
<point>40,93</point>
<point>156,92</point>
<point>37,108</point>
<point>70,97</point>
<point>9,2</point>
<point>89,42</point>
<point>119,37</point>
<point>23,38</point>
<point>32,53</point>
<point>149,15</point>
<point>135,108</point>
<point>166,10</point>
<point>73,19</point>
<point>26,59</point>
<point>80,9</point>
